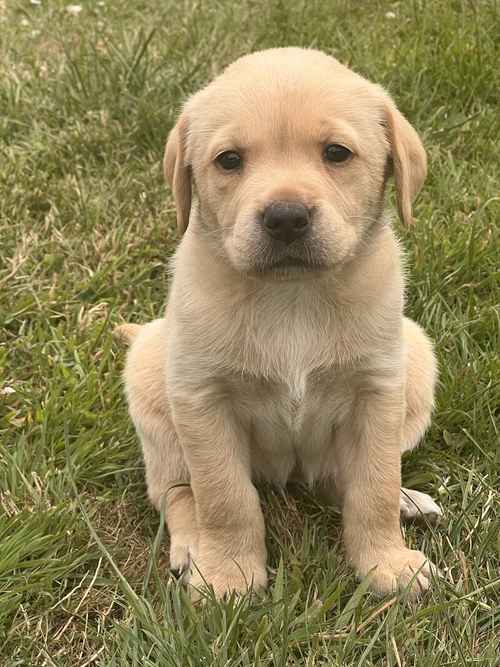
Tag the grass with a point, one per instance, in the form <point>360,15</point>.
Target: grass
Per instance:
<point>86,226</point>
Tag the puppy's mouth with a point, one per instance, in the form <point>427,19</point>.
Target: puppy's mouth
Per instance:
<point>293,263</point>
<point>289,265</point>
<point>267,258</point>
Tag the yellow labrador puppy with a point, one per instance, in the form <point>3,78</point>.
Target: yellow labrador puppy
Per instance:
<point>284,352</point>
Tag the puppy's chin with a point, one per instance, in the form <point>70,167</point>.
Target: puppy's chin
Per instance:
<point>279,264</point>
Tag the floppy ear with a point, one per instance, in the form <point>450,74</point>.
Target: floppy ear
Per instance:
<point>408,158</point>
<point>177,172</point>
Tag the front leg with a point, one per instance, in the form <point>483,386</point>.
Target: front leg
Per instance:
<point>231,543</point>
<point>369,479</point>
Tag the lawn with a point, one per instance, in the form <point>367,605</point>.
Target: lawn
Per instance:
<point>86,227</point>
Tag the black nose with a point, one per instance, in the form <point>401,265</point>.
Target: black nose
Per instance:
<point>286,220</point>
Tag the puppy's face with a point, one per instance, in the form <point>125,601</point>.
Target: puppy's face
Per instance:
<point>289,152</point>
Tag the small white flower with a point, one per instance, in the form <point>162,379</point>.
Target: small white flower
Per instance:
<point>74,9</point>
<point>390,15</point>
<point>36,2</point>
<point>8,390</point>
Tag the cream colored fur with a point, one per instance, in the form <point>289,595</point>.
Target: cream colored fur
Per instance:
<point>278,373</point>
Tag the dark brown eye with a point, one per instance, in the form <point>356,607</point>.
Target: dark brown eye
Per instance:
<point>229,160</point>
<point>336,153</point>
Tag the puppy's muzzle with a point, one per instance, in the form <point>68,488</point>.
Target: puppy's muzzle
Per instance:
<point>286,221</point>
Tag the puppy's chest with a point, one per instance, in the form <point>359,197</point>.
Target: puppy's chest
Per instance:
<point>283,377</point>
<point>301,400</point>
<point>292,423</point>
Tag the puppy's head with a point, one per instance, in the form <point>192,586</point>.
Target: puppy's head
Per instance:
<point>288,153</point>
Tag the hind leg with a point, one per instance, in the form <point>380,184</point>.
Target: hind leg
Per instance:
<point>420,385</point>
<point>167,475</point>
<point>168,486</point>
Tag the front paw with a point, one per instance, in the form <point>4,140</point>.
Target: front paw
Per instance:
<point>236,575</point>
<point>398,569</point>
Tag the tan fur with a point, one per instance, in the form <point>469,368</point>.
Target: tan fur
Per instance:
<point>126,333</point>
<point>273,373</point>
